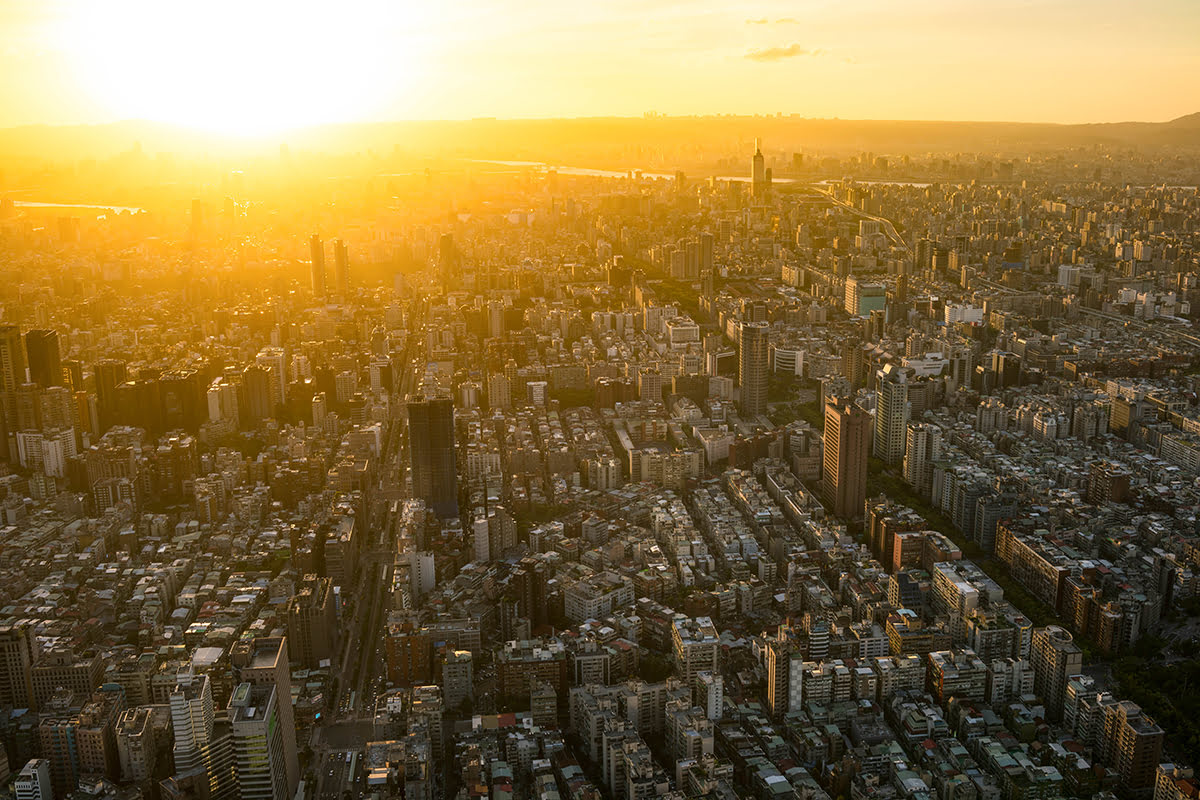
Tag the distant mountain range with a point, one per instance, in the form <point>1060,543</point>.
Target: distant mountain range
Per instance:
<point>600,137</point>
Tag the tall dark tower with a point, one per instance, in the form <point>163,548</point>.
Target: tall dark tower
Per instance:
<point>758,172</point>
<point>846,445</point>
<point>431,449</point>
<point>316,249</point>
<point>752,367</point>
<point>110,373</point>
<point>45,363</point>
<point>12,371</point>
<point>341,267</point>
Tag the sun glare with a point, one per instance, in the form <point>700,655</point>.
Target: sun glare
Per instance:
<point>246,68</point>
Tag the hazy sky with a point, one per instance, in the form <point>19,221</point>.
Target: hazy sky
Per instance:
<point>251,65</point>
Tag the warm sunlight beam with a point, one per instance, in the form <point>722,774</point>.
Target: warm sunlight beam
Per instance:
<point>248,67</point>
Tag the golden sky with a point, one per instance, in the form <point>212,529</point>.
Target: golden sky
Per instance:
<point>249,66</point>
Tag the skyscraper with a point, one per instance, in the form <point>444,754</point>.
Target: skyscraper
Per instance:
<point>341,267</point>
<point>109,373</point>
<point>752,367</point>
<point>431,450</point>
<point>45,363</point>
<point>12,372</point>
<point>263,662</point>
<point>891,413</point>
<point>316,249</point>
<point>846,444</point>
<point>758,172</point>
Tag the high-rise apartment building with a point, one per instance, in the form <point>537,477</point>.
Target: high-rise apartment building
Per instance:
<point>785,677</point>
<point>312,622</point>
<point>752,367</point>
<point>432,452</point>
<point>846,444</point>
<point>891,413</point>
<point>695,646</point>
<point>1055,658</point>
<point>923,446</point>
<point>1133,744</point>
<point>203,749</point>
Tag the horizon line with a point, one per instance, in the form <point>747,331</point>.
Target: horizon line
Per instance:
<point>649,116</point>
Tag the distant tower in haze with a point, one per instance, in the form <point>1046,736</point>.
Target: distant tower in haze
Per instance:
<point>758,172</point>
<point>341,267</point>
<point>752,367</point>
<point>448,260</point>
<point>431,451</point>
<point>316,250</point>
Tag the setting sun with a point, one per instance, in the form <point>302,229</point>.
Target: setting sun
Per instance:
<point>244,68</point>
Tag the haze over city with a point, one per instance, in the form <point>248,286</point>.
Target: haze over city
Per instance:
<point>532,401</point>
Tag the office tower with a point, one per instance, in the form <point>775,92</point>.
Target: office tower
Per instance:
<point>923,446</point>
<point>785,677</point>
<point>18,652</point>
<point>846,444</point>
<point>752,367</point>
<point>341,267</point>
<point>316,250</point>
<point>432,453</point>
<point>109,374</point>
<point>72,375</point>
<point>1055,658</point>
<point>263,661</point>
<point>891,413</point>
<point>45,362</point>
<point>12,373</point>
<point>33,781</point>
<point>312,622</point>
<point>758,172</point>
<point>259,748</point>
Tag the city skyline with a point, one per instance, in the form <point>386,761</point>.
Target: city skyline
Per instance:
<point>659,447</point>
